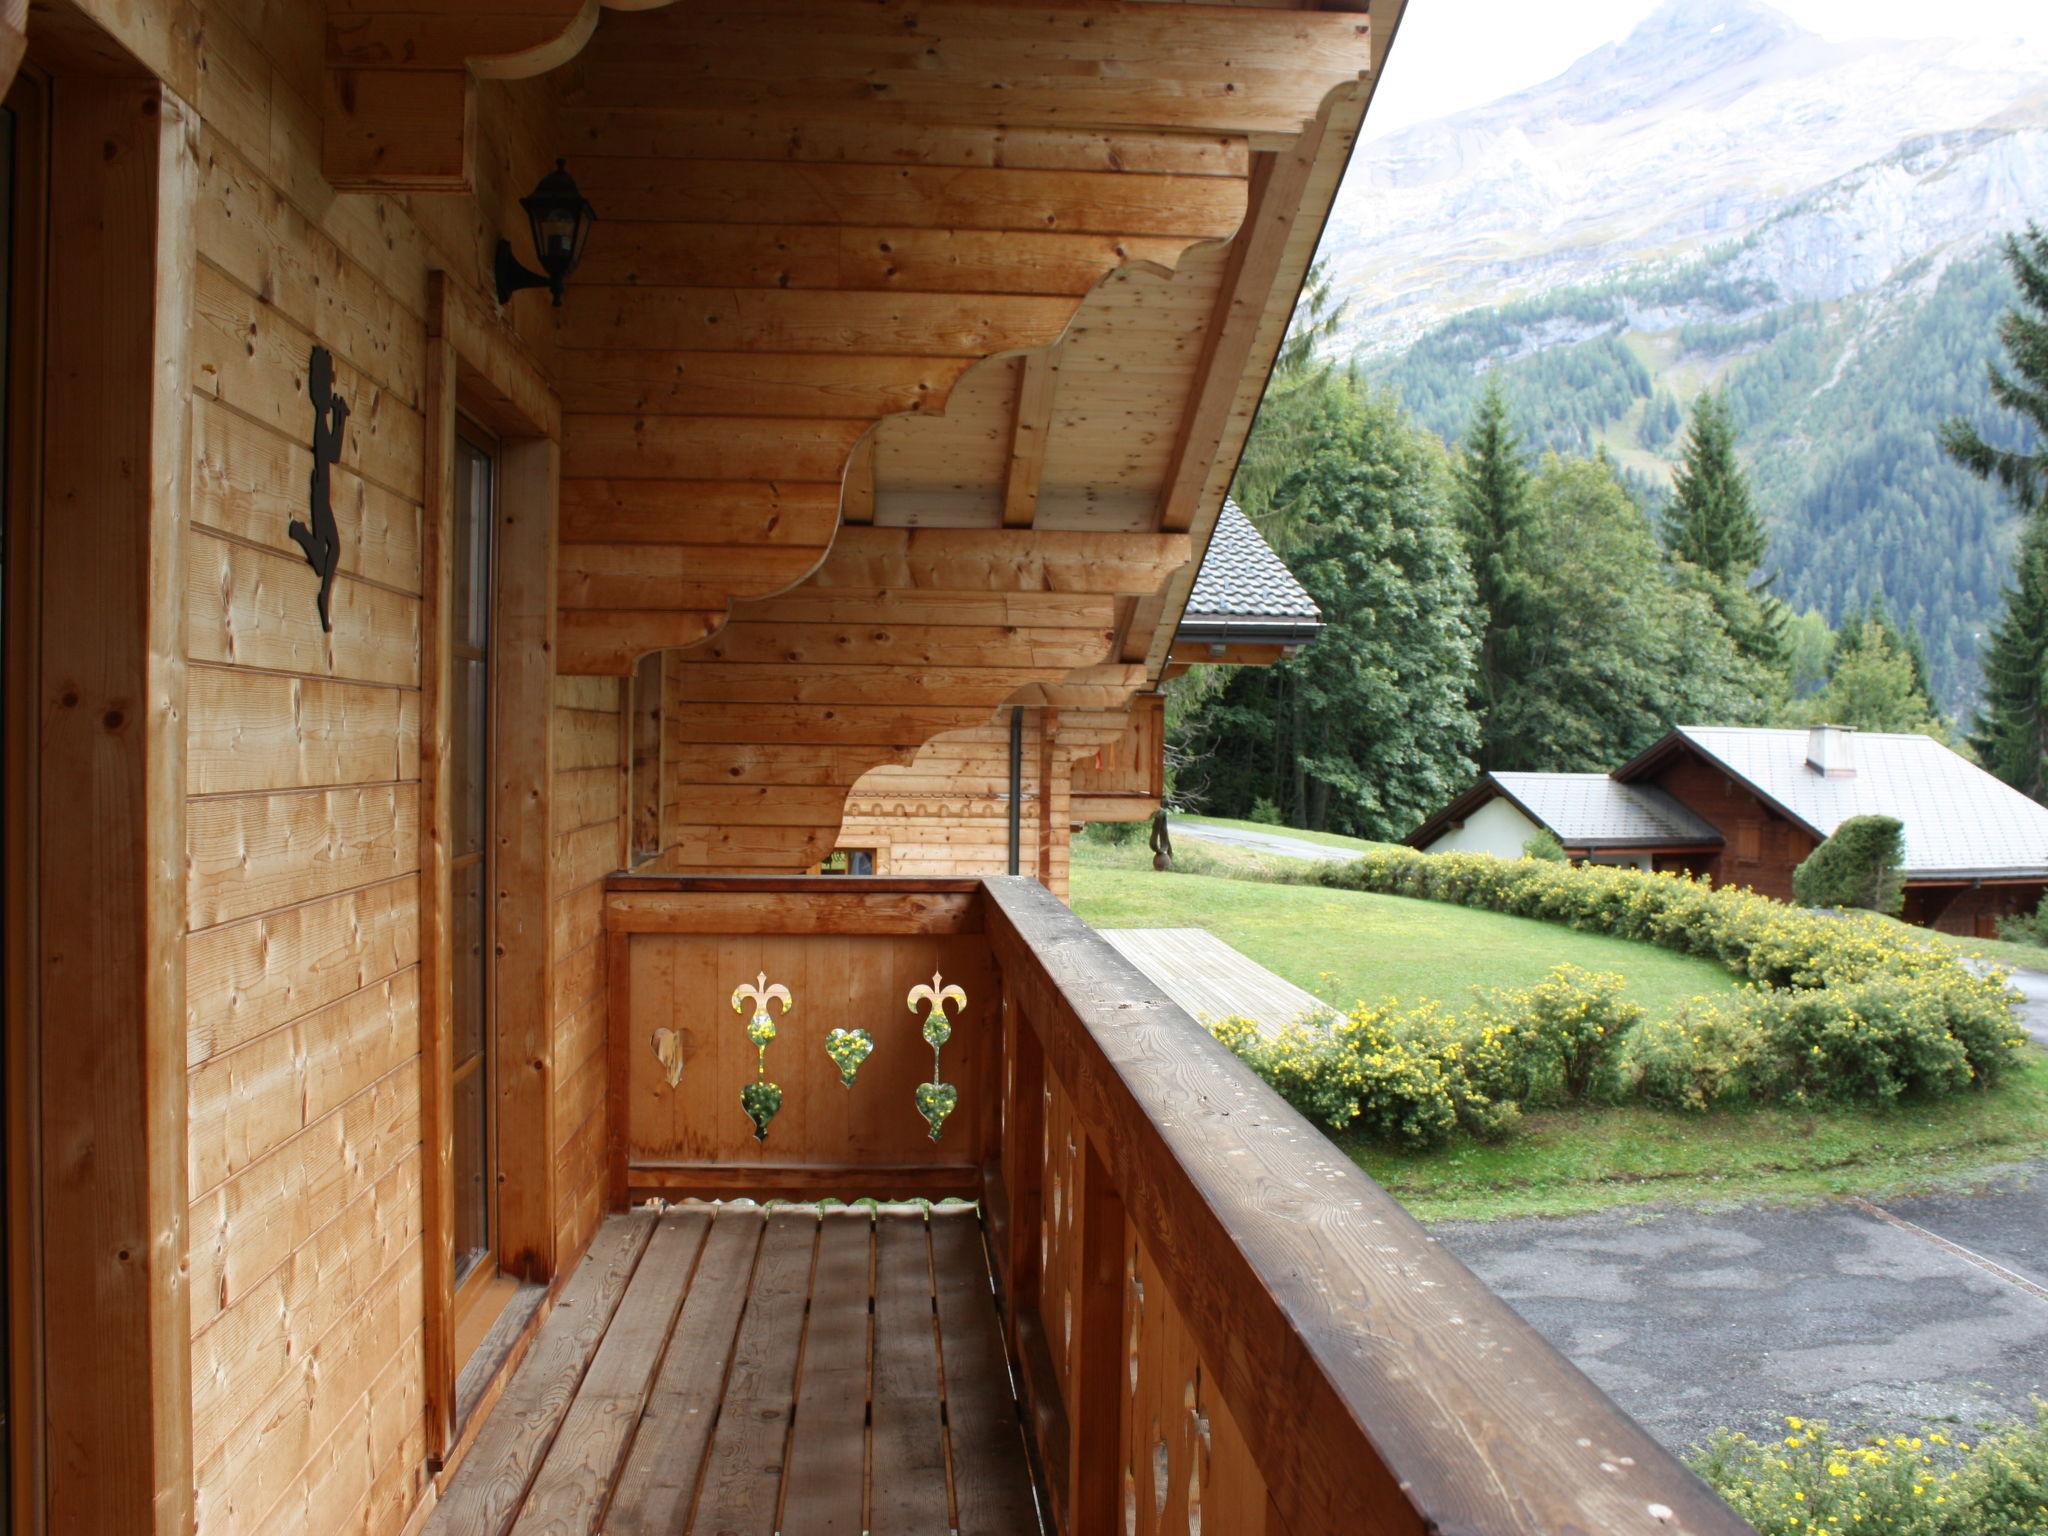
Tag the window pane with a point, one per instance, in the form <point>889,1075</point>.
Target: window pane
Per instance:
<point>468,902</point>
<point>472,1206</point>
<point>472,574</point>
<point>468,727</point>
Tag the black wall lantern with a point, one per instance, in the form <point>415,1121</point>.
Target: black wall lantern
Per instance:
<point>561,218</point>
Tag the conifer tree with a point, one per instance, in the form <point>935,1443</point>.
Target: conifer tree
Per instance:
<point>1875,683</point>
<point>2021,469</point>
<point>1712,526</point>
<point>1712,523</point>
<point>1492,515</point>
<point>2011,732</point>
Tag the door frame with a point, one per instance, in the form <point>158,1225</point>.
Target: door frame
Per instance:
<point>476,368</point>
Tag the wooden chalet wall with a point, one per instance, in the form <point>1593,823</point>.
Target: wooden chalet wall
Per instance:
<point>303,968</point>
<point>1761,848</point>
<point>948,811</point>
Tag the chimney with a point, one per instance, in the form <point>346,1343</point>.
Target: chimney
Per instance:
<point>1827,751</point>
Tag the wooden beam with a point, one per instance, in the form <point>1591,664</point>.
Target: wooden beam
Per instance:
<point>1268,266</point>
<point>390,130</point>
<point>1118,66</point>
<point>110,853</point>
<point>437,834</point>
<point>1037,376</point>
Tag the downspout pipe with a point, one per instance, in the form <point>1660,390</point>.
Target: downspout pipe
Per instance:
<point>1016,787</point>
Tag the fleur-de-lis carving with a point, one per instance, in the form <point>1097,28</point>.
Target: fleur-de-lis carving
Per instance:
<point>760,1098</point>
<point>938,1029</point>
<point>668,1050</point>
<point>937,1099</point>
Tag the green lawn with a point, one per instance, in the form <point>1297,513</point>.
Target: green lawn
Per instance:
<point>1592,1159</point>
<point>1346,945</point>
<point>1328,839</point>
<point>1350,945</point>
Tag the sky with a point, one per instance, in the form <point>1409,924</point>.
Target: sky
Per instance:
<point>1435,70</point>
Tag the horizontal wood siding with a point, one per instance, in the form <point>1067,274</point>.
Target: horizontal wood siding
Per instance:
<point>947,812</point>
<point>1760,849</point>
<point>304,1009</point>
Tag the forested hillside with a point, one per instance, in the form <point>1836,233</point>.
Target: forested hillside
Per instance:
<point>1722,198</point>
<point>1836,405</point>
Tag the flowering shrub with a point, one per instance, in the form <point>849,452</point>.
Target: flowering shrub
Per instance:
<point>1810,1483</point>
<point>1413,1075</point>
<point>1843,1009</point>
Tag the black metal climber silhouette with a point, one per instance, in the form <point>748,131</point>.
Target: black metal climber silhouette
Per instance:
<point>322,540</point>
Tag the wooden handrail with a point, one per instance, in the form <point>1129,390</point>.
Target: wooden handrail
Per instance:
<point>1379,1384</point>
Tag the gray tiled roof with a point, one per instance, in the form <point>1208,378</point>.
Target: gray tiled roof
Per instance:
<point>1959,819</point>
<point>1241,578</point>
<point>1593,810</point>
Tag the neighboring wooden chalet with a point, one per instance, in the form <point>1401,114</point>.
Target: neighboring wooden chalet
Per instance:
<point>1745,806</point>
<point>1008,796</point>
<point>396,558</point>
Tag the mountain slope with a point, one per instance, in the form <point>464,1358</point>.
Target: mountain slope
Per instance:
<point>1724,199</point>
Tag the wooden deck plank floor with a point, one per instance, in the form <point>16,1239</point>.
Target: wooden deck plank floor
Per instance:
<point>729,1371</point>
<point>1213,981</point>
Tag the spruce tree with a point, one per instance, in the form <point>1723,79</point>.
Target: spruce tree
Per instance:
<point>2021,469</point>
<point>2011,732</point>
<point>1711,522</point>
<point>1712,525</point>
<point>1492,515</point>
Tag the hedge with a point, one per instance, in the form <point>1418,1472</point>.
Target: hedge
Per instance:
<point>1840,1009</point>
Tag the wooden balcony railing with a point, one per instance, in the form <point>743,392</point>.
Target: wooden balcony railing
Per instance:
<point>1220,1324</point>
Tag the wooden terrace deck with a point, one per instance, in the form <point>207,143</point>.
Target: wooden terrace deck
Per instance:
<point>1213,981</point>
<point>730,1369</point>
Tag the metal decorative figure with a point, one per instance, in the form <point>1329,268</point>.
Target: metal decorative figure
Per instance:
<point>319,538</point>
<point>760,1098</point>
<point>668,1050</point>
<point>848,1048</point>
<point>936,1099</point>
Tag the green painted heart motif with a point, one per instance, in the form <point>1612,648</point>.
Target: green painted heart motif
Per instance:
<point>761,1100</point>
<point>848,1048</point>
<point>935,1101</point>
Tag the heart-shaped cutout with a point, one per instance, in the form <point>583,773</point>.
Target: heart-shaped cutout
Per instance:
<point>848,1048</point>
<point>761,1100</point>
<point>935,1101</point>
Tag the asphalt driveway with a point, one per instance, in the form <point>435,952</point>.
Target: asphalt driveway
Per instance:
<point>1693,1320</point>
<point>1259,842</point>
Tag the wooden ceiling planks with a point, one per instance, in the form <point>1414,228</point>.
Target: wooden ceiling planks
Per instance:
<point>774,283</point>
<point>997,229</point>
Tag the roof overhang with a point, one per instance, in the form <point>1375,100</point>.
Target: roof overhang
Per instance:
<point>1490,788</point>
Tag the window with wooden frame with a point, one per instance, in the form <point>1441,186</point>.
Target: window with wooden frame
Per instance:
<point>1748,840</point>
<point>472,1082</point>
